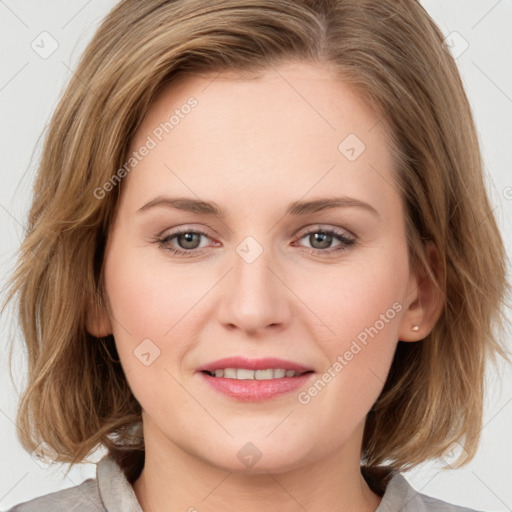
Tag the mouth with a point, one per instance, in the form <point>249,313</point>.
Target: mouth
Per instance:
<point>247,374</point>
<point>254,380</point>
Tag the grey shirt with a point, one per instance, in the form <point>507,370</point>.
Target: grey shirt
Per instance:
<point>110,491</point>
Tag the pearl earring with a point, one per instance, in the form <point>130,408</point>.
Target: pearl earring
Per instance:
<point>415,328</point>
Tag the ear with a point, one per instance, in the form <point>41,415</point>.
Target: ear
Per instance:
<point>425,301</point>
<point>98,322</point>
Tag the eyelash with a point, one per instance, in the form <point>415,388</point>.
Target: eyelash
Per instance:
<point>346,242</point>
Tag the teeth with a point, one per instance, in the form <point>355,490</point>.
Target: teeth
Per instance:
<point>244,374</point>
<point>230,373</point>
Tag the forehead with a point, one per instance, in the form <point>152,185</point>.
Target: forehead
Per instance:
<point>293,128</point>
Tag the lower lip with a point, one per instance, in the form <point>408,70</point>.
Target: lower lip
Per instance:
<point>255,390</point>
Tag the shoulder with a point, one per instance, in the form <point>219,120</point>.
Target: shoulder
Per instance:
<point>84,498</point>
<point>400,495</point>
<point>110,491</point>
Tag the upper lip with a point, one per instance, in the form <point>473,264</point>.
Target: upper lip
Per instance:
<point>253,364</point>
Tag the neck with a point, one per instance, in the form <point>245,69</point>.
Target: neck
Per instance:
<point>175,479</point>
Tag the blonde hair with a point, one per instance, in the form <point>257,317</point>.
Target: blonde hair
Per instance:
<point>77,396</point>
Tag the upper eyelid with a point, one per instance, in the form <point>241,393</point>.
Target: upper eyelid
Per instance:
<point>319,227</point>
<point>185,229</point>
<point>305,230</point>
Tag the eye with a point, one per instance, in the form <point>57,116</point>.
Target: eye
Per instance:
<point>321,240</point>
<point>187,242</point>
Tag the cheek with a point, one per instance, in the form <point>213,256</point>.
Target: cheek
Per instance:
<point>149,298</point>
<point>361,311</point>
<point>154,317</point>
<point>358,300</point>
<point>151,333</point>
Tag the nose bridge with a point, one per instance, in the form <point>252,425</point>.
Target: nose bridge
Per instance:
<point>256,297</point>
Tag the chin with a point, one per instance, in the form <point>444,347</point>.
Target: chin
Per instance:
<point>259,456</point>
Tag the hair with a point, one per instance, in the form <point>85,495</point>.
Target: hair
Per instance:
<point>77,397</point>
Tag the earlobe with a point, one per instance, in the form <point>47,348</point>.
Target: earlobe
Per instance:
<point>426,300</point>
<point>98,322</point>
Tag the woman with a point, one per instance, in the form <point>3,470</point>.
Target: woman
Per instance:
<point>233,347</point>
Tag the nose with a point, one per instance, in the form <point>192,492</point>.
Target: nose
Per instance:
<point>255,297</point>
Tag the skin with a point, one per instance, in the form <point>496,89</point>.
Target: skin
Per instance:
<point>254,146</point>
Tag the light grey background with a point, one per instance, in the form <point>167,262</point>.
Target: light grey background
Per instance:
<point>30,85</point>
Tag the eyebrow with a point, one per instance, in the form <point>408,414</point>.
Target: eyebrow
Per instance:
<point>296,208</point>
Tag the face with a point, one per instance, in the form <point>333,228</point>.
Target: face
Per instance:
<point>264,270</point>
